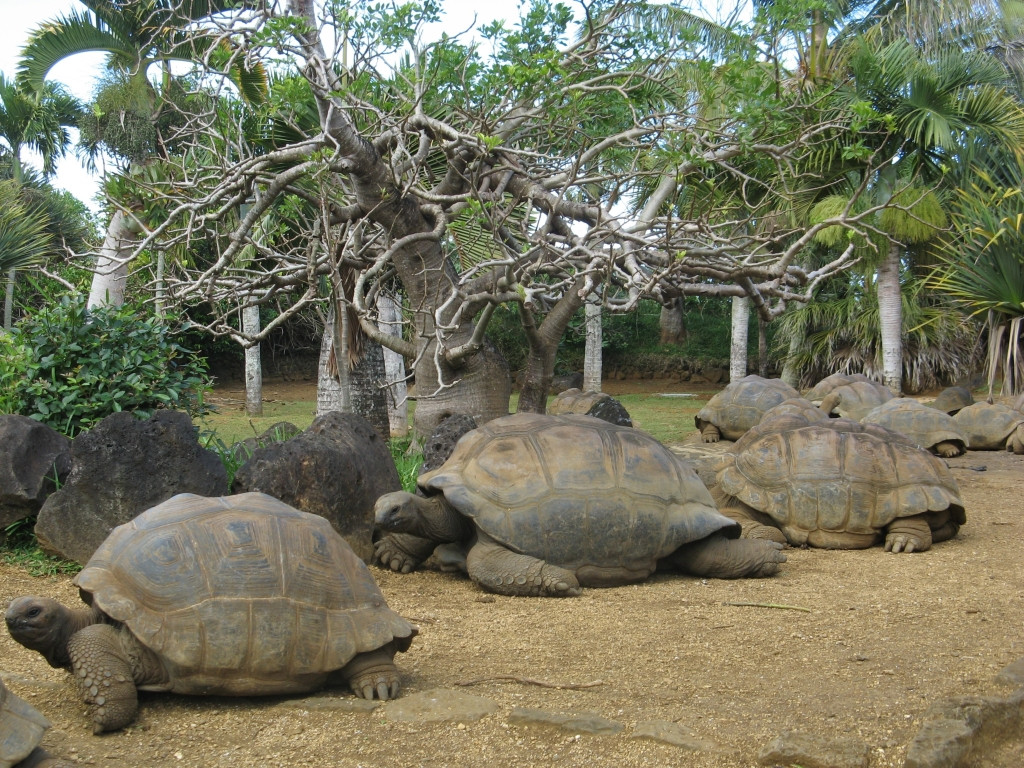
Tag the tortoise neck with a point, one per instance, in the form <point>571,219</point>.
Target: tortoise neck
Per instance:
<point>75,619</point>
<point>442,522</point>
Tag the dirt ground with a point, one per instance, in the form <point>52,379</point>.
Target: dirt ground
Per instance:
<point>842,644</point>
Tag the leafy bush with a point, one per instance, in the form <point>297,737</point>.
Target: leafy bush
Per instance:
<point>69,369</point>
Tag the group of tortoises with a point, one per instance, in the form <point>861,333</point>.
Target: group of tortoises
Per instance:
<point>245,595</point>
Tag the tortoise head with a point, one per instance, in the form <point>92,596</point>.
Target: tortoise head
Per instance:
<point>41,624</point>
<point>429,517</point>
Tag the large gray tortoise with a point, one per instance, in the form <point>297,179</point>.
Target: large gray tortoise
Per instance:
<point>738,407</point>
<point>991,427</point>
<point>553,503</point>
<point>21,732</point>
<point>839,485</point>
<point>233,596</point>
<point>927,427</point>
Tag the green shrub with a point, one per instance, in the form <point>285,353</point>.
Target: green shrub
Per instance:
<point>69,368</point>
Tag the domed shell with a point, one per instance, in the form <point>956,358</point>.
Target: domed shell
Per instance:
<point>843,477</point>
<point>826,385</point>
<point>21,727</point>
<point>987,425</point>
<point>922,425</point>
<point>952,399</point>
<point>575,490</point>
<point>855,399</point>
<point>240,594</point>
<point>742,403</point>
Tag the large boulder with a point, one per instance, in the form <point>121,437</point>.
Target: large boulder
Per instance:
<point>34,460</point>
<point>597,404</point>
<point>120,468</point>
<point>336,469</point>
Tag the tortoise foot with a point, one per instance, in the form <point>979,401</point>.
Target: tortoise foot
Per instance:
<point>373,675</point>
<point>401,552</point>
<point>908,534</point>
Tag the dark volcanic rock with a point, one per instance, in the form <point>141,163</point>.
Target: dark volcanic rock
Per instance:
<point>120,468</point>
<point>336,469</point>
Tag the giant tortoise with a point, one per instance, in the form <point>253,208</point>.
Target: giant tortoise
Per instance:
<point>553,503</point>
<point>21,731</point>
<point>991,427</point>
<point>924,426</point>
<point>855,399</point>
<point>738,407</point>
<point>839,485</point>
<point>233,596</point>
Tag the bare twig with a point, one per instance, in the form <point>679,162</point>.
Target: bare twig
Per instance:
<point>530,681</point>
<point>772,605</point>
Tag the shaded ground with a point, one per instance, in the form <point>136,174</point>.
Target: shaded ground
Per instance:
<point>882,638</point>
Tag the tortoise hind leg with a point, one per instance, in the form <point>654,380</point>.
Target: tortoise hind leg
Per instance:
<point>104,675</point>
<point>720,558</point>
<point>908,534</point>
<point>500,570</point>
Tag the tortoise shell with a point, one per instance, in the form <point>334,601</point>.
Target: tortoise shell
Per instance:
<point>921,424</point>
<point>952,399</point>
<point>838,476</point>
<point>742,403</point>
<point>21,727</point>
<point>986,426</point>
<point>240,594</point>
<point>816,393</point>
<point>575,490</point>
<point>856,399</point>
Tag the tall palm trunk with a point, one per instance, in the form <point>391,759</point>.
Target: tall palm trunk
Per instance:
<point>890,318</point>
<point>111,273</point>
<point>740,333</point>
<point>592,353</point>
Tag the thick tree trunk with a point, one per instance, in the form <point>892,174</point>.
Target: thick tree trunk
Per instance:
<point>890,319</point>
<point>352,389</point>
<point>111,273</point>
<point>790,374</point>
<point>762,347</point>
<point>253,364</point>
<point>592,361</point>
<point>672,322</point>
<point>390,320</point>
<point>540,363</point>
<point>740,334</point>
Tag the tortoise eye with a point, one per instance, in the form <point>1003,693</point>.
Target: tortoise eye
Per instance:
<point>33,612</point>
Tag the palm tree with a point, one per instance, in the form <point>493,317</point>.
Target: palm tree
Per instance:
<point>984,268</point>
<point>136,35</point>
<point>33,121</point>
<point>927,107</point>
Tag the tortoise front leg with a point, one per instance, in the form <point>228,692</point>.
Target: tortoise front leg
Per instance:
<point>753,524</point>
<point>402,552</point>
<point>104,675</point>
<point>373,673</point>
<point>908,534</point>
<point>709,433</point>
<point>947,449</point>
<point>500,570</point>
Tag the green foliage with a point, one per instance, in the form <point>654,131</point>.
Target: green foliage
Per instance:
<point>21,549</point>
<point>407,461</point>
<point>69,368</point>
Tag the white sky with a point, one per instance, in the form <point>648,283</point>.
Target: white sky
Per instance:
<point>79,73</point>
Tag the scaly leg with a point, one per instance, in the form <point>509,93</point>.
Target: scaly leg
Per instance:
<point>508,573</point>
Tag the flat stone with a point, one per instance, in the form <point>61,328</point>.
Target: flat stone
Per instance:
<point>939,743</point>
<point>333,704</point>
<point>811,751</point>
<point>1012,674</point>
<point>960,728</point>
<point>439,705</point>
<point>577,722</point>
<point>672,733</point>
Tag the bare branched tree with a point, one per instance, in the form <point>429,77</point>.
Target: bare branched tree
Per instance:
<point>537,168</point>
